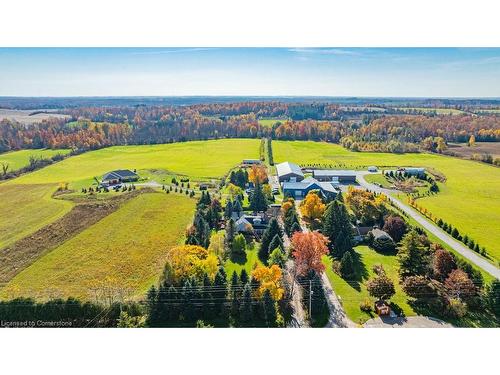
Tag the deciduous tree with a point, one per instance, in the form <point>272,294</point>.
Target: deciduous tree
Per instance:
<point>308,248</point>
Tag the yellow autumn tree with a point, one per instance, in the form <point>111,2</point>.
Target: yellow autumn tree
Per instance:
<point>287,205</point>
<point>257,174</point>
<point>191,261</point>
<point>312,207</point>
<point>269,278</point>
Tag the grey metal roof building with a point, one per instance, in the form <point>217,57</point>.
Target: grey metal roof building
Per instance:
<point>289,172</point>
<point>120,175</point>
<point>341,175</point>
<point>300,189</point>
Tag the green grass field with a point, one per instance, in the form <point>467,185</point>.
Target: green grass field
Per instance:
<point>200,159</point>
<point>27,198</point>
<point>20,159</point>
<point>27,208</point>
<point>468,199</point>
<point>269,122</point>
<point>126,249</point>
<point>354,293</point>
<point>378,178</point>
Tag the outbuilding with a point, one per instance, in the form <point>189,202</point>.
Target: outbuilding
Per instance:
<point>289,172</point>
<point>119,176</point>
<point>341,175</point>
<point>251,162</point>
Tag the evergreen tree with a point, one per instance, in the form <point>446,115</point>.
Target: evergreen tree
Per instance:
<point>492,297</point>
<point>246,308</point>
<point>272,230</point>
<point>276,243</point>
<point>220,290</point>
<point>244,277</point>
<point>228,210</point>
<point>239,246</point>
<point>188,308</point>
<point>278,257</point>
<point>413,256</point>
<point>237,207</point>
<point>338,229</point>
<point>229,237</point>
<point>258,200</point>
<point>201,233</point>
<point>347,266</point>
<point>295,228</point>
<point>269,308</point>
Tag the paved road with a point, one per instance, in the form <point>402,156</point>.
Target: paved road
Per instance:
<point>434,229</point>
<point>411,322</point>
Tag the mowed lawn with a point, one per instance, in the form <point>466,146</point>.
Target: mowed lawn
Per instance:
<point>126,250</point>
<point>200,159</point>
<point>27,208</point>
<point>28,202</point>
<point>354,293</point>
<point>20,159</point>
<point>246,264</point>
<point>468,200</point>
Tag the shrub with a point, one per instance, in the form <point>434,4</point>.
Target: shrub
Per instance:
<point>366,306</point>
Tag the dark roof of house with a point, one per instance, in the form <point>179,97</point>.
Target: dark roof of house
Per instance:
<point>119,173</point>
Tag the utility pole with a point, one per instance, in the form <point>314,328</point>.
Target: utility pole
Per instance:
<point>310,299</point>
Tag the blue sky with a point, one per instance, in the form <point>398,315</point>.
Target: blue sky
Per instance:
<point>416,72</point>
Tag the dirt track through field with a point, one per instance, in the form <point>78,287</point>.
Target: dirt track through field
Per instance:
<point>21,254</point>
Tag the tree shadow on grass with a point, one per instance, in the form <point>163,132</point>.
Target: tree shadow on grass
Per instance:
<point>360,271</point>
<point>240,259</point>
<point>397,309</point>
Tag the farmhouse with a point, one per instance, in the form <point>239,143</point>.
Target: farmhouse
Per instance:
<point>379,234</point>
<point>332,175</point>
<point>300,189</point>
<point>251,161</point>
<point>251,224</point>
<point>119,176</point>
<point>289,172</point>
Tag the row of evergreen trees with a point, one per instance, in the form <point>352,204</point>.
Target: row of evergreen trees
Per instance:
<point>65,313</point>
<point>239,178</point>
<point>207,217</point>
<point>270,156</point>
<point>469,242</point>
<point>217,302</point>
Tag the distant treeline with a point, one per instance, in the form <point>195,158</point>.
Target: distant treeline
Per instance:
<point>96,127</point>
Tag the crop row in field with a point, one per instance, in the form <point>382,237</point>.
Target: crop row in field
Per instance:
<point>122,254</point>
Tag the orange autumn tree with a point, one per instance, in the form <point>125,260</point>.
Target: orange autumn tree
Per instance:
<point>308,248</point>
<point>257,174</point>
<point>269,279</point>
<point>312,207</point>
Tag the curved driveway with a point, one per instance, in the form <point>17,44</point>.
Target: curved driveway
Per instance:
<point>434,229</point>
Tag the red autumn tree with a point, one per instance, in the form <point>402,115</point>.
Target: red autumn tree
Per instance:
<point>443,263</point>
<point>459,285</point>
<point>308,248</point>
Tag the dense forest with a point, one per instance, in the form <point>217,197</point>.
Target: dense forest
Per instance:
<point>356,128</point>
